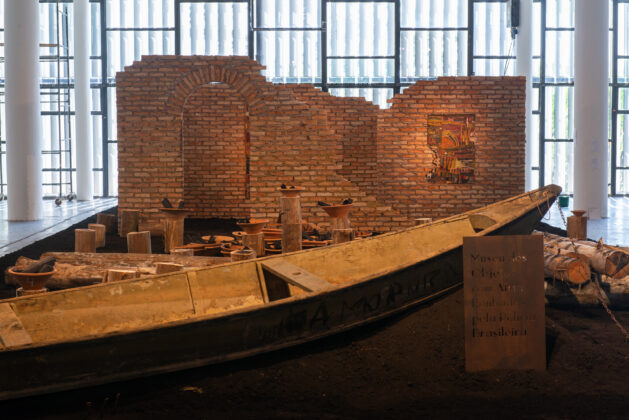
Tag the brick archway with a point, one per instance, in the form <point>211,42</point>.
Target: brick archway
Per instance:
<point>247,84</point>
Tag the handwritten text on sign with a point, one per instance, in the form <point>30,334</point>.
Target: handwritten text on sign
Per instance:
<point>504,302</point>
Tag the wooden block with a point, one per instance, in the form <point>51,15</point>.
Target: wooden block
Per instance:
<point>422,221</point>
<point>243,254</point>
<point>161,268</point>
<point>129,221</point>
<point>109,220</point>
<point>504,302</point>
<point>173,232</point>
<point>296,276</point>
<point>577,227</point>
<point>139,242</point>
<point>12,332</point>
<point>255,242</point>
<point>84,240</point>
<point>341,235</point>
<point>291,237</point>
<point>118,275</point>
<point>290,208</point>
<point>100,233</point>
<point>182,252</point>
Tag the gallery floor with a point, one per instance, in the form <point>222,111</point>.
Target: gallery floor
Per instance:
<point>17,235</point>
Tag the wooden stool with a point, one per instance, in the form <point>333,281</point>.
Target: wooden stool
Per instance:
<point>84,240</point>
<point>139,242</point>
<point>254,241</point>
<point>129,221</point>
<point>341,235</point>
<point>100,233</point>
<point>577,225</point>
<point>290,211</point>
<point>109,220</point>
<point>173,228</point>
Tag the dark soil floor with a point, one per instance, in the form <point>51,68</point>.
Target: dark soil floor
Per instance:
<point>408,366</point>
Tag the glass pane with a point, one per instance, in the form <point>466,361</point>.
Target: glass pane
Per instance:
<point>560,14</point>
<point>494,67</point>
<point>559,164</point>
<point>140,13</point>
<point>377,96</point>
<point>559,56</point>
<point>535,141</point>
<point>214,29</point>
<point>284,14</point>
<point>361,29</point>
<point>623,70</point>
<point>290,56</point>
<point>622,141</point>
<point>559,112</point>
<point>433,14</point>
<point>113,169</point>
<point>360,70</point>
<point>491,35</point>
<point>623,28</point>
<point>432,53</point>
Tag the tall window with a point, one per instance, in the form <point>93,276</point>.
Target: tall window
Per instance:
<point>372,49</point>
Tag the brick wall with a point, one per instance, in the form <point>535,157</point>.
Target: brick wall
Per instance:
<point>214,152</point>
<point>404,159</point>
<point>335,147</point>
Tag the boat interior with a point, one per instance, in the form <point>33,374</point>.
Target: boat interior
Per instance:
<point>144,303</point>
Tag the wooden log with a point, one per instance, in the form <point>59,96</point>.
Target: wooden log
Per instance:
<point>118,275</point>
<point>163,267</point>
<point>84,240</point>
<point>603,258</point>
<point>341,235</point>
<point>129,221</point>
<point>139,242</point>
<point>173,231</point>
<point>109,220</point>
<point>243,254</point>
<point>82,269</point>
<point>565,268</point>
<point>291,237</point>
<point>255,242</point>
<point>576,227</point>
<point>182,251</point>
<point>100,233</point>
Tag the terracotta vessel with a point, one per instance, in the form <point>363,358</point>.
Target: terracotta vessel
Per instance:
<point>291,192</point>
<point>32,281</point>
<point>227,248</point>
<point>579,213</point>
<point>254,226</point>
<point>339,211</point>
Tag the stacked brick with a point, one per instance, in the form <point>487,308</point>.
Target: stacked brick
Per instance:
<point>181,131</point>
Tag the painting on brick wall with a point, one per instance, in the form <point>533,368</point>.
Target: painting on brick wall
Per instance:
<point>450,140</point>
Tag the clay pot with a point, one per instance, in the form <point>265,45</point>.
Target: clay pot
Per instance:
<point>291,192</point>
<point>339,211</point>
<point>32,281</point>
<point>227,248</point>
<point>579,213</point>
<point>254,226</point>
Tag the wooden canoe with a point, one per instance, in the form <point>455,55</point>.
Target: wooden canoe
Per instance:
<point>116,331</point>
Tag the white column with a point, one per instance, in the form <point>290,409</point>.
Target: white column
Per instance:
<point>591,41</point>
<point>84,147</point>
<point>23,122</point>
<point>524,67</point>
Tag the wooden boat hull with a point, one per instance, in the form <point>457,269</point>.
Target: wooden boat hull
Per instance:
<point>275,325</point>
